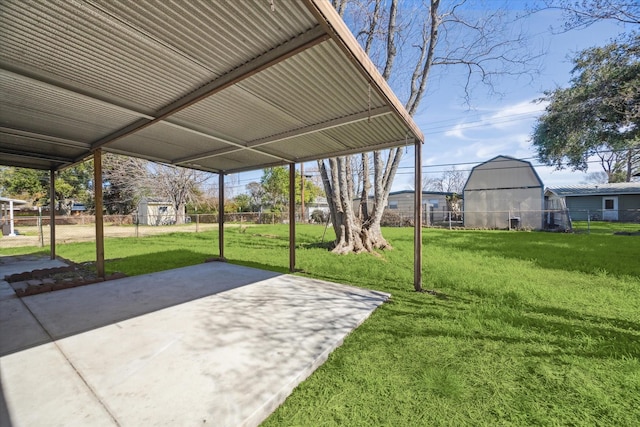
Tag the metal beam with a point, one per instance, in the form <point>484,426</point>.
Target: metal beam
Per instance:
<point>221,215</point>
<point>52,213</point>
<point>34,156</point>
<point>97,188</point>
<point>52,140</point>
<point>417,221</point>
<point>286,50</point>
<point>319,127</point>
<point>305,130</point>
<point>292,217</point>
<point>346,41</point>
<point>369,148</point>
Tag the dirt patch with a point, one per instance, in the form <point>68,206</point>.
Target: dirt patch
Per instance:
<point>28,236</point>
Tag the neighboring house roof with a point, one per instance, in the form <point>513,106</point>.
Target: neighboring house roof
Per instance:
<point>596,190</point>
<point>494,165</point>
<point>318,201</point>
<point>152,201</point>
<point>15,201</point>
<point>437,193</point>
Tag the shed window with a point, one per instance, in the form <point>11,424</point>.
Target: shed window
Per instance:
<point>608,203</point>
<point>433,203</point>
<point>393,204</point>
<point>163,209</point>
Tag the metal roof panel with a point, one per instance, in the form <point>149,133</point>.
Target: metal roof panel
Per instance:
<point>597,189</point>
<point>203,83</point>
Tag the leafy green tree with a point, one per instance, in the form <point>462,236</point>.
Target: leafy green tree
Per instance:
<point>275,184</point>
<point>243,202</point>
<point>311,190</point>
<point>72,184</point>
<point>24,183</point>
<point>275,189</point>
<point>598,115</point>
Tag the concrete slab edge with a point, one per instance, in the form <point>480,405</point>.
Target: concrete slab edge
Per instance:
<point>263,412</point>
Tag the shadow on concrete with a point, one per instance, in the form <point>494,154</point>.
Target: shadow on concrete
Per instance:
<point>213,342</point>
<point>76,310</point>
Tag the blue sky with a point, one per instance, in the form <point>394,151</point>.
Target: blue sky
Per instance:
<point>495,126</point>
<point>464,135</point>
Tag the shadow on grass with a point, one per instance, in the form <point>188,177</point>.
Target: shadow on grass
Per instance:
<point>259,266</point>
<point>545,330</point>
<point>592,254</point>
<point>150,263</point>
<point>155,261</point>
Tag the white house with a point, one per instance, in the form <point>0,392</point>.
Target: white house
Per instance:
<point>7,223</point>
<point>155,212</point>
<point>608,202</point>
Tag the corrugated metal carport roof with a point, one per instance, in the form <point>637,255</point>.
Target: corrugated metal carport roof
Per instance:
<point>222,86</point>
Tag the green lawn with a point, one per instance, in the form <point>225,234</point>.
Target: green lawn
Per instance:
<point>605,227</point>
<point>526,328</point>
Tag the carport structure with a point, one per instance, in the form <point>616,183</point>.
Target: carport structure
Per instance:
<point>219,86</point>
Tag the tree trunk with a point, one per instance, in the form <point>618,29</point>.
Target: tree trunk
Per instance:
<point>361,232</point>
<point>180,213</point>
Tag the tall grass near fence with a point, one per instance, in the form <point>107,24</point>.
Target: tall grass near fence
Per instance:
<point>525,328</point>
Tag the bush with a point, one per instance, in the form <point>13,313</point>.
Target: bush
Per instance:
<point>396,219</point>
<point>319,216</point>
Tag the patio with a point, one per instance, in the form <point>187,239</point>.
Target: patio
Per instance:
<point>212,344</point>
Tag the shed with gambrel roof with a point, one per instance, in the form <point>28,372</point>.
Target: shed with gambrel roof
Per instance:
<point>504,192</point>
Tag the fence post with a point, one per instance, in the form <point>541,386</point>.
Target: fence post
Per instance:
<point>588,222</point>
<point>428,214</point>
<point>40,230</point>
<point>449,220</point>
<point>197,222</point>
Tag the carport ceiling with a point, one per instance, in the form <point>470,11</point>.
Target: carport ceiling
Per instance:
<point>221,86</point>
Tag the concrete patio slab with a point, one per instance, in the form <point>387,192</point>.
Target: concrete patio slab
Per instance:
<point>6,290</point>
<point>213,344</point>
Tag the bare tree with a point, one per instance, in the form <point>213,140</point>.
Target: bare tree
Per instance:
<point>124,179</point>
<point>582,14</point>
<point>451,181</point>
<point>256,195</point>
<point>407,40</point>
<point>178,185</point>
<point>596,178</point>
<point>137,178</point>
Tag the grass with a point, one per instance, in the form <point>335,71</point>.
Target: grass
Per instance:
<point>605,227</point>
<point>526,329</point>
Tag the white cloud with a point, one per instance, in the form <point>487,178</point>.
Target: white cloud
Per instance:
<point>457,131</point>
<point>513,115</point>
<point>520,115</point>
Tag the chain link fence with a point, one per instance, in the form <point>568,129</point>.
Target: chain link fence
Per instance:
<point>36,231</point>
<point>578,221</point>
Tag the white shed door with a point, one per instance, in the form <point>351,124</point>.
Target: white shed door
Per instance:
<point>610,208</point>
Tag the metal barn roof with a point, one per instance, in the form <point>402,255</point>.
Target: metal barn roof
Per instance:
<point>219,86</point>
<point>503,173</point>
<point>596,189</point>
